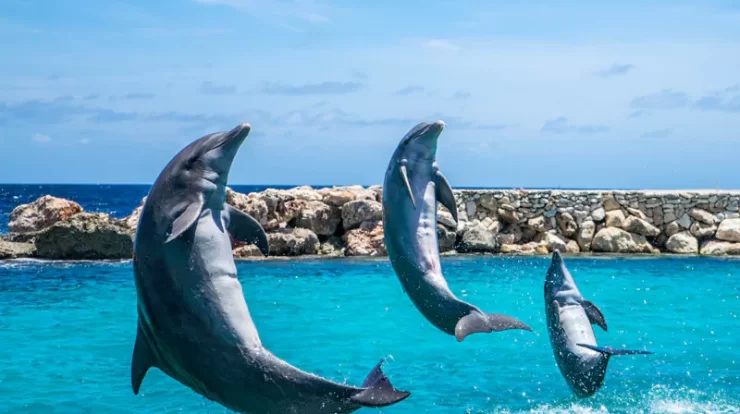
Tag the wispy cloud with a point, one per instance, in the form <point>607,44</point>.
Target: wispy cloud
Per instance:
<point>91,97</point>
<point>727,100</point>
<point>461,95</point>
<point>279,12</point>
<point>665,99</point>
<point>41,138</point>
<point>561,125</point>
<point>210,88</point>
<point>323,88</point>
<point>615,70</point>
<point>134,96</point>
<point>359,75</point>
<point>658,133</point>
<point>409,90</point>
<point>638,114</point>
<point>84,141</point>
<point>439,44</point>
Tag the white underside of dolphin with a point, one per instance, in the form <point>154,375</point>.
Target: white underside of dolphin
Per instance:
<point>413,185</point>
<point>194,323</point>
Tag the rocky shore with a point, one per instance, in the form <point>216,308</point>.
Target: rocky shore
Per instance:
<point>347,221</point>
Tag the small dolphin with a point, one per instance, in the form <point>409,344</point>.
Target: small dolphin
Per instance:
<point>194,323</point>
<point>413,185</point>
<point>569,319</point>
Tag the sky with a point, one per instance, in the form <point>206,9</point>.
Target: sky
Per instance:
<point>614,94</point>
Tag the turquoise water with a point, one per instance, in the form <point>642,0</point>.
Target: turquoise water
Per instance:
<point>67,329</point>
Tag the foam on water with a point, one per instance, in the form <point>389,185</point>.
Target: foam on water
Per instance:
<point>67,331</point>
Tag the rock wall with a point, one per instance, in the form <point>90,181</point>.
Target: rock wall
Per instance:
<point>347,221</point>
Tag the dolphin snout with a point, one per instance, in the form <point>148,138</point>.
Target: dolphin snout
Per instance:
<point>439,124</point>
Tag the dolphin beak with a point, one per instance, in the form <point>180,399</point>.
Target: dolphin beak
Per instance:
<point>557,259</point>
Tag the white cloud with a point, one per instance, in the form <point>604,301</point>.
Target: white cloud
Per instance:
<point>439,44</point>
<point>41,138</point>
<point>84,141</point>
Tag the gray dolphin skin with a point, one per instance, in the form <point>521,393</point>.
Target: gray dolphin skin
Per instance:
<point>193,320</point>
<point>413,185</point>
<point>569,318</point>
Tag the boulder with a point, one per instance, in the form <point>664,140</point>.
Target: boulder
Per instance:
<point>254,206</point>
<point>610,203</point>
<point>445,218</point>
<point>366,240</point>
<point>719,248</point>
<point>446,238</point>
<point>572,247</point>
<point>477,238</point>
<point>293,242</point>
<point>614,218</point>
<point>599,214</point>
<point>672,228</point>
<point>12,250</point>
<point>85,236</point>
<point>507,214</point>
<point>567,224</point>
<point>42,213</point>
<point>551,241</point>
<point>637,225</point>
<point>318,217</point>
<point>703,230</point>
<point>702,216</point>
<point>585,235</point>
<point>356,212</point>
<point>616,240</point>
<point>684,221</point>
<point>337,197</point>
<point>729,230</point>
<point>537,224</point>
<point>637,213</point>
<point>512,234</point>
<point>247,250</point>
<point>682,243</point>
<point>334,246</point>
<point>132,220</point>
<point>526,249</point>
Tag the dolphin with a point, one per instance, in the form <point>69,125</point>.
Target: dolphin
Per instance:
<point>413,185</point>
<point>569,318</point>
<point>193,321</point>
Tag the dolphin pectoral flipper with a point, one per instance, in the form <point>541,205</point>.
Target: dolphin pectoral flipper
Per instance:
<point>476,321</point>
<point>378,392</point>
<point>609,351</point>
<point>444,193</point>
<point>594,314</point>
<point>245,228</point>
<point>142,360</point>
<point>405,175</point>
<point>186,218</point>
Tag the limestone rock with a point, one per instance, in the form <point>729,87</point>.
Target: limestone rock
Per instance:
<point>445,218</point>
<point>614,218</point>
<point>355,212</point>
<point>682,243</point>
<point>719,248</point>
<point>703,230</point>
<point>12,250</point>
<point>507,214</point>
<point>446,238</point>
<point>672,228</point>
<point>537,224</point>
<point>337,197</point>
<point>599,214</point>
<point>615,240</point>
<point>477,238</point>
<point>551,241</point>
<point>639,226</point>
<point>254,206</point>
<point>684,221</point>
<point>567,224</point>
<point>247,250</point>
<point>585,235</point>
<point>572,247</point>
<point>610,203</point>
<point>320,218</point>
<point>85,236</point>
<point>293,242</point>
<point>42,213</point>
<point>132,220</point>
<point>702,216</point>
<point>637,213</point>
<point>512,234</point>
<point>367,240</point>
<point>334,246</point>
<point>526,249</point>
<point>729,230</point>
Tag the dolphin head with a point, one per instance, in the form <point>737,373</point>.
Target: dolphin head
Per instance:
<point>420,144</point>
<point>211,157</point>
<point>558,277</point>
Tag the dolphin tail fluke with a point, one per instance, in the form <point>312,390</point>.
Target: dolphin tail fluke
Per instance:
<point>475,322</point>
<point>142,360</point>
<point>609,351</point>
<point>379,392</point>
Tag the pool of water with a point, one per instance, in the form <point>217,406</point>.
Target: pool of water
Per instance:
<point>67,331</point>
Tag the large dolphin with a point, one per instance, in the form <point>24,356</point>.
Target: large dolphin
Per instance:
<point>413,185</point>
<point>194,323</point>
<point>569,317</point>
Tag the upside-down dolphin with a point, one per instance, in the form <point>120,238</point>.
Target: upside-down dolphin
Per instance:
<point>194,323</point>
<point>569,319</point>
<point>413,185</point>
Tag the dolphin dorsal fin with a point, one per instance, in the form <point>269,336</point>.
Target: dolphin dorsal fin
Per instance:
<point>245,228</point>
<point>186,218</point>
<point>594,314</point>
<point>142,360</point>
<point>444,194</point>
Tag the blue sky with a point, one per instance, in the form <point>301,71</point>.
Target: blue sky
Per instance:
<point>535,94</point>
